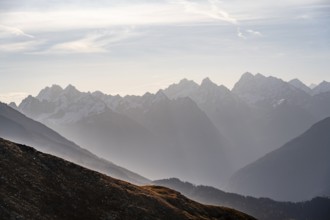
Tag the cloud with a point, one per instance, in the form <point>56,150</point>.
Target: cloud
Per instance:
<point>209,9</point>
<point>25,46</point>
<point>156,13</point>
<point>4,30</point>
<point>80,18</point>
<point>245,34</point>
<point>97,42</point>
<point>240,34</point>
<point>254,33</point>
<point>16,44</point>
<point>88,44</point>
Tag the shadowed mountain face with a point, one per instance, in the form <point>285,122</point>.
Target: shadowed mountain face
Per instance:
<point>17,127</point>
<point>261,208</point>
<point>39,186</point>
<point>228,112</point>
<point>300,170</point>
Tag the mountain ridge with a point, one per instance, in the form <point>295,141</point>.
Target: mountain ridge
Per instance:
<point>248,130</point>
<point>261,208</point>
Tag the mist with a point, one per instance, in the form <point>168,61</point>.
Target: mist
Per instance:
<point>225,103</point>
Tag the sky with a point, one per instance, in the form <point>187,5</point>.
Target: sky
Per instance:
<point>135,46</point>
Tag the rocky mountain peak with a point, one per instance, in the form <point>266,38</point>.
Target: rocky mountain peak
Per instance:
<point>49,93</point>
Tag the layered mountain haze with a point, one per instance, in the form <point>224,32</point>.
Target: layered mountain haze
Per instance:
<point>297,171</point>
<point>17,127</point>
<point>38,186</point>
<point>281,111</point>
<point>207,131</point>
<point>231,115</point>
<point>140,132</point>
<point>146,90</point>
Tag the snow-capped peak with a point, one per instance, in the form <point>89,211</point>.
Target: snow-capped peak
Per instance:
<point>271,89</point>
<point>182,89</point>
<point>49,93</point>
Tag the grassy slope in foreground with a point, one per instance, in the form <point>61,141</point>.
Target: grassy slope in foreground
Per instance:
<point>36,186</point>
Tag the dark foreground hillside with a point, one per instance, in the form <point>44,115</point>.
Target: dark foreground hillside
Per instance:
<point>36,186</point>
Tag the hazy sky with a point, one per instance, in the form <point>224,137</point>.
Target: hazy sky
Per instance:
<point>134,46</point>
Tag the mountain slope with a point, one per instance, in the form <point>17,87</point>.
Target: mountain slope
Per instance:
<point>17,127</point>
<point>297,171</point>
<point>262,208</point>
<point>185,135</point>
<point>321,88</point>
<point>39,186</point>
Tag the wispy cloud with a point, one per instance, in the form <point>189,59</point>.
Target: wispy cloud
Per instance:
<point>25,46</point>
<point>210,8</point>
<point>157,13</point>
<point>96,42</point>
<point>254,33</point>
<point>240,34</point>
<point>5,30</point>
<point>245,34</point>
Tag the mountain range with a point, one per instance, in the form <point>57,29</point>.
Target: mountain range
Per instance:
<point>39,186</point>
<point>141,133</point>
<point>207,131</point>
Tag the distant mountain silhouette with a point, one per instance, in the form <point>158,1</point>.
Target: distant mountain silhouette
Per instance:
<point>17,127</point>
<point>261,208</point>
<point>35,185</point>
<point>300,170</point>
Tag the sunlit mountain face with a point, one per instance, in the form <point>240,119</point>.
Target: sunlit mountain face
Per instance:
<point>232,96</point>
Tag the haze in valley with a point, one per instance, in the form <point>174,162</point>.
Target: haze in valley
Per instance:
<point>218,100</point>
